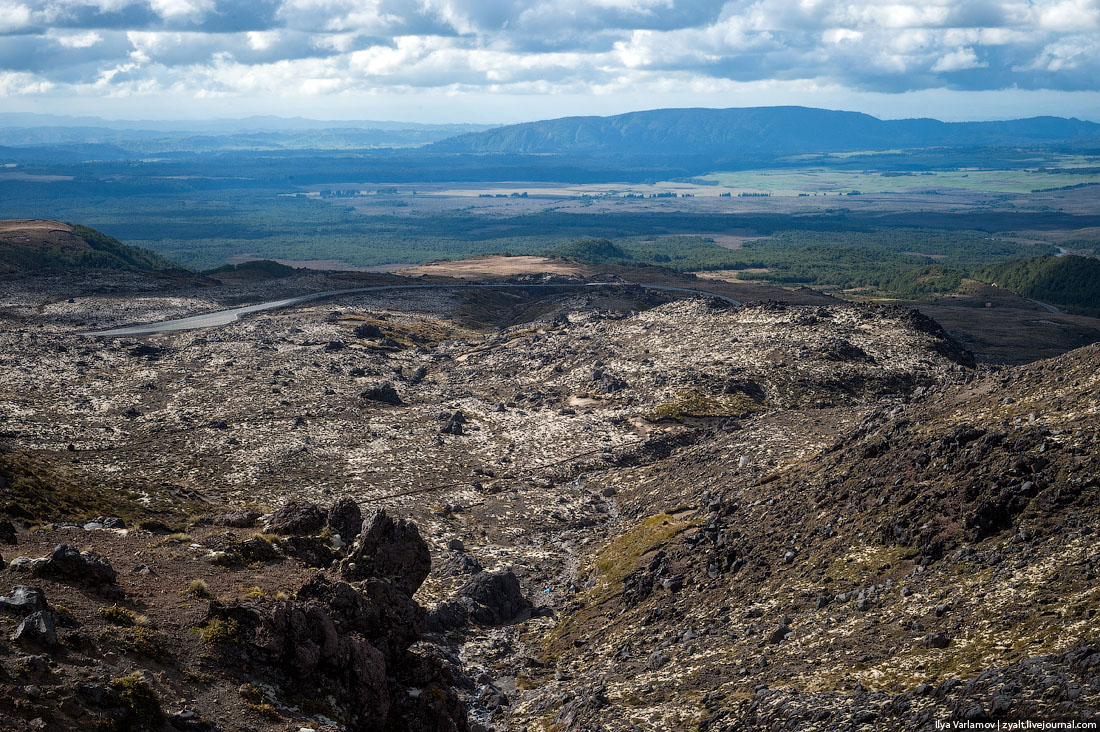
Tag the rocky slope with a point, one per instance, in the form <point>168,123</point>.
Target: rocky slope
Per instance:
<point>936,562</point>
<point>634,511</point>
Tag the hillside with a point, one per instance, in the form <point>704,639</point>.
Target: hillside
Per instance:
<point>936,561</point>
<point>768,130</point>
<point>632,510</point>
<point>29,244</point>
<point>1071,280</point>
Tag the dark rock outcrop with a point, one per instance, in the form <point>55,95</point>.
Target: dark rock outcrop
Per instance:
<point>349,643</point>
<point>489,598</point>
<point>309,549</point>
<point>368,330</point>
<point>24,600</point>
<point>40,627</point>
<point>345,519</point>
<point>69,564</point>
<point>381,392</point>
<point>389,549</point>
<point>298,518</point>
<point>257,549</point>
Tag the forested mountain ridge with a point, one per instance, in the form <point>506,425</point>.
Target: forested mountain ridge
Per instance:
<point>758,130</point>
<point>1069,280</point>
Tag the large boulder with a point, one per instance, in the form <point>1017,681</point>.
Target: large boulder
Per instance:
<point>496,596</point>
<point>368,330</point>
<point>297,517</point>
<point>257,549</point>
<point>24,600</point>
<point>345,519</point>
<point>7,532</point>
<point>40,628</point>
<point>389,549</point>
<point>381,392</point>
<point>489,598</point>
<point>69,564</point>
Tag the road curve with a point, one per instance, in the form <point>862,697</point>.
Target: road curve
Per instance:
<point>225,317</point>
<point>1049,308</point>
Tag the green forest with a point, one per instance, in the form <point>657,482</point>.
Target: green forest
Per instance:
<point>911,263</point>
<point>1070,280</point>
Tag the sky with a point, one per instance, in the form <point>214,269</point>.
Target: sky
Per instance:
<point>501,61</point>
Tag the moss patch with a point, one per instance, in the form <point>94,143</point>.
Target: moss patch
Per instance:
<point>612,563</point>
<point>141,641</point>
<point>35,490</point>
<point>697,404</point>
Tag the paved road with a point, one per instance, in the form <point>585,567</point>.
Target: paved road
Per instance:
<point>225,317</point>
<point>1049,308</point>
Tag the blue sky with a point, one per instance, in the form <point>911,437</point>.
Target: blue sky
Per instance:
<point>515,60</point>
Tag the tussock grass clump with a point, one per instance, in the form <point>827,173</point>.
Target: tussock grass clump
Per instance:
<point>264,711</point>
<point>118,615</point>
<point>198,589</point>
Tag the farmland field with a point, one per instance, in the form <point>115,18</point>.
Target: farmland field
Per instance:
<point>814,180</point>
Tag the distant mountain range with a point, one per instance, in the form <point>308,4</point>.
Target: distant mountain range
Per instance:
<point>670,134</point>
<point>250,133</point>
<point>757,130</point>
<point>227,125</point>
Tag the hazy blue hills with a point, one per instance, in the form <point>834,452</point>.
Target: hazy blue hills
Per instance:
<point>249,133</point>
<point>767,130</point>
<point>227,125</point>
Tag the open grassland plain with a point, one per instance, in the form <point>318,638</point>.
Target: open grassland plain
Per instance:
<point>829,181</point>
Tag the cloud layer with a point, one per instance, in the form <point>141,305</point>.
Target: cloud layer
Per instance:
<point>209,49</point>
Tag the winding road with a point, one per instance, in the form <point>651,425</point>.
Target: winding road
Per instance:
<point>225,317</point>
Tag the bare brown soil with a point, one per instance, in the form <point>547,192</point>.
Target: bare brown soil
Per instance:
<point>490,267</point>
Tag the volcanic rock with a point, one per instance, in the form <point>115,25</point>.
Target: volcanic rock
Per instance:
<point>345,519</point>
<point>389,549</point>
<point>297,517</point>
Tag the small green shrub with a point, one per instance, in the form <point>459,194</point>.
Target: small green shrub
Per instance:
<point>217,632</point>
<point>118,615</point>
<point>142,705</point>
<point>265,711</point>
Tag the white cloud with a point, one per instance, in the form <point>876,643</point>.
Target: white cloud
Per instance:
<point>14,17</point>
<point>842,35</point>
<point>963,58</point>
<point>1070,16</point>
<point>175,9</point>
<point>86,39</point>
<point>319,48</point>
<point>22,84</point>
<point>262,40</point>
